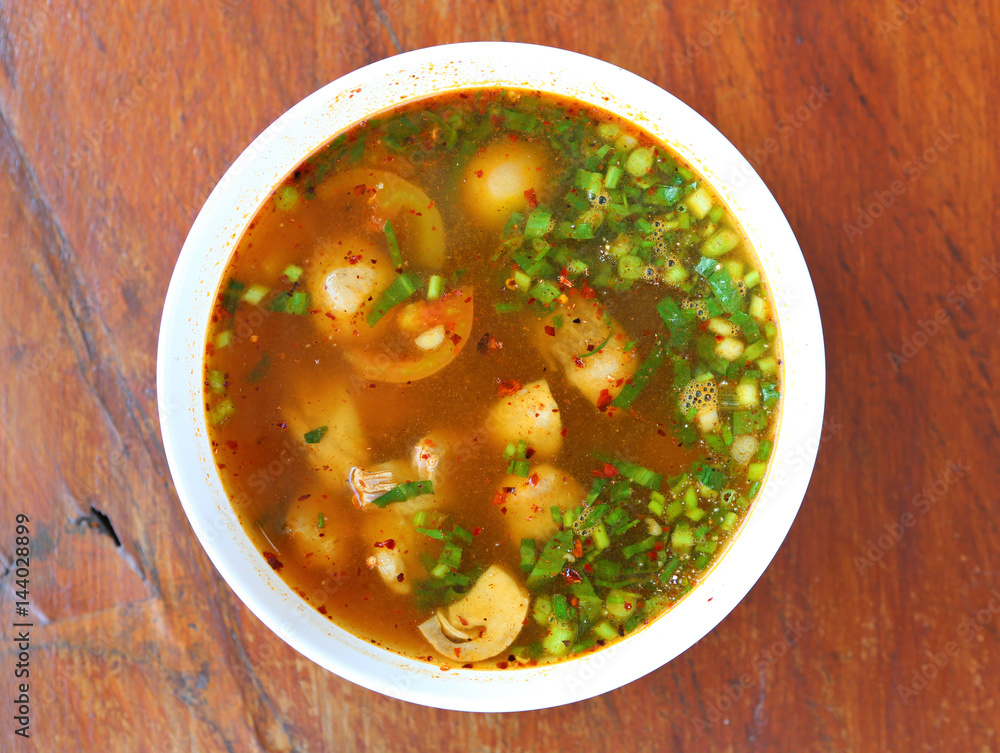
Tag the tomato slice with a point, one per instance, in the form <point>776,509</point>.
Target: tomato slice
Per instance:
<point>396,358</point>
<point>388,196</point>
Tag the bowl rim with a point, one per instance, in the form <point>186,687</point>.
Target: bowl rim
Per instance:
<point>250,180</point>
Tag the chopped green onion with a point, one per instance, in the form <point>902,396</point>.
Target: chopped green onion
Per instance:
<point>223,338</point>
<point>550,561</point>
<point>401,288</point>
<point>677,323</point>
<point>641,377</point>
<point>764,450</point>
<point>520,468</point>
<point>390,237</point>
<point>600,535</point>
<point>254,294</point>
<point>314,436</point>
<point>721,243</point>
<point>404,492</point>
<point>286,198</point>
<point>612,177</point>
<point>231,296</point>
<point>711,477</point>
<point>544,291</point>
<point>221,412</point>
<point>320,520</point>
<point>217,381</point>
<point>537,224</point>
<point>755,471</point>
<point>292,273</point>
<point>435,286</point>
<point>528,555</point>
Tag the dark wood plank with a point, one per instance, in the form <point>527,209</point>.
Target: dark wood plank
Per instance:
<point>874,127</point>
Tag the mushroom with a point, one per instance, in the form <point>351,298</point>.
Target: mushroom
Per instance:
<point>526,503</point>
<point>589,345</point>
<point>369,485</point>
<point>325,403</point>
<point>531,414</point>
<point>316,527</point>
<point>483,623</point>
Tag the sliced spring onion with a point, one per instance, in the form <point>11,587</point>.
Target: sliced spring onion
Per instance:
<point>537,224</point>
<point>551,560</point>
<point>286,198</point>
<point>435,286</point>
<point>528,555</point>
<point>678,324</point>
<point>292,273</point>
<point>544,291</point>
<point>390,237</point>
<point>231,297</point>
<point>254,294</point>
<point>519,468</point>
<point>404,492</point>
<point>401,288</point>
<point>221,412</point>
<point>641,377</point>
<point>217,381</point>
<point>719,244</point>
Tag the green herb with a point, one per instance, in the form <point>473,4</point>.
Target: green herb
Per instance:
<point>641,377</point>
<point>314,436</point>
<point>404,492</point>
<point>231,297</point>
<point>550,561</point>
<point>401,288</point>
<point>390,237</point>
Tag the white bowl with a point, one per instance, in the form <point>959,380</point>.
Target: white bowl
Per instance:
<point>249,182</point>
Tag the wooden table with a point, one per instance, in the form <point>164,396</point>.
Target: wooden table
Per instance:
<point>874,629</point>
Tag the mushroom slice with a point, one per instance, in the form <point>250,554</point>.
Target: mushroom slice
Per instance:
<point>369,485</point>
<point>484,622</point>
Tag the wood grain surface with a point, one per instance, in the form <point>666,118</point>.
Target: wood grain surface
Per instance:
<point>875,126</point>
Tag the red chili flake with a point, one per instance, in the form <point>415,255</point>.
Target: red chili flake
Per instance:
<point>651,554</point>
<point>360,189</point>
<point>588,292</point>
<point>507,387</point>
<point>661,432</point>
<point>533,479</point>
<point>604,400</point>
<point>610,471</point>
<point>571,575</point>
<point>658,546</point>
<point>577,548</point>
<point>273,561</point>
<point>476,530</point>
<point>550,330</point>
<point>588,568</point>
<point>579,361</point>
<point>500,498</point>
<point>573,601</point>
<point>321,609</point>
<point>231,444</point>
<point>400,577</point>
<point>530,452</point>
<point>501,665</point>
<point>304,497</point>
<point>562,433</point>
<point>282,425</point>
<point>628,606</point>
<point>354,258</point>
<point>532,199</point>
<point>387,544</point>
<point>455,339</point>
<point>479,173</point>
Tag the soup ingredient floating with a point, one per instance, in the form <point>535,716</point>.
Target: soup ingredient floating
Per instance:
<point>562,482</point>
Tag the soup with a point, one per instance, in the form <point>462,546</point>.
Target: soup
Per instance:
<point>492,378</point>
